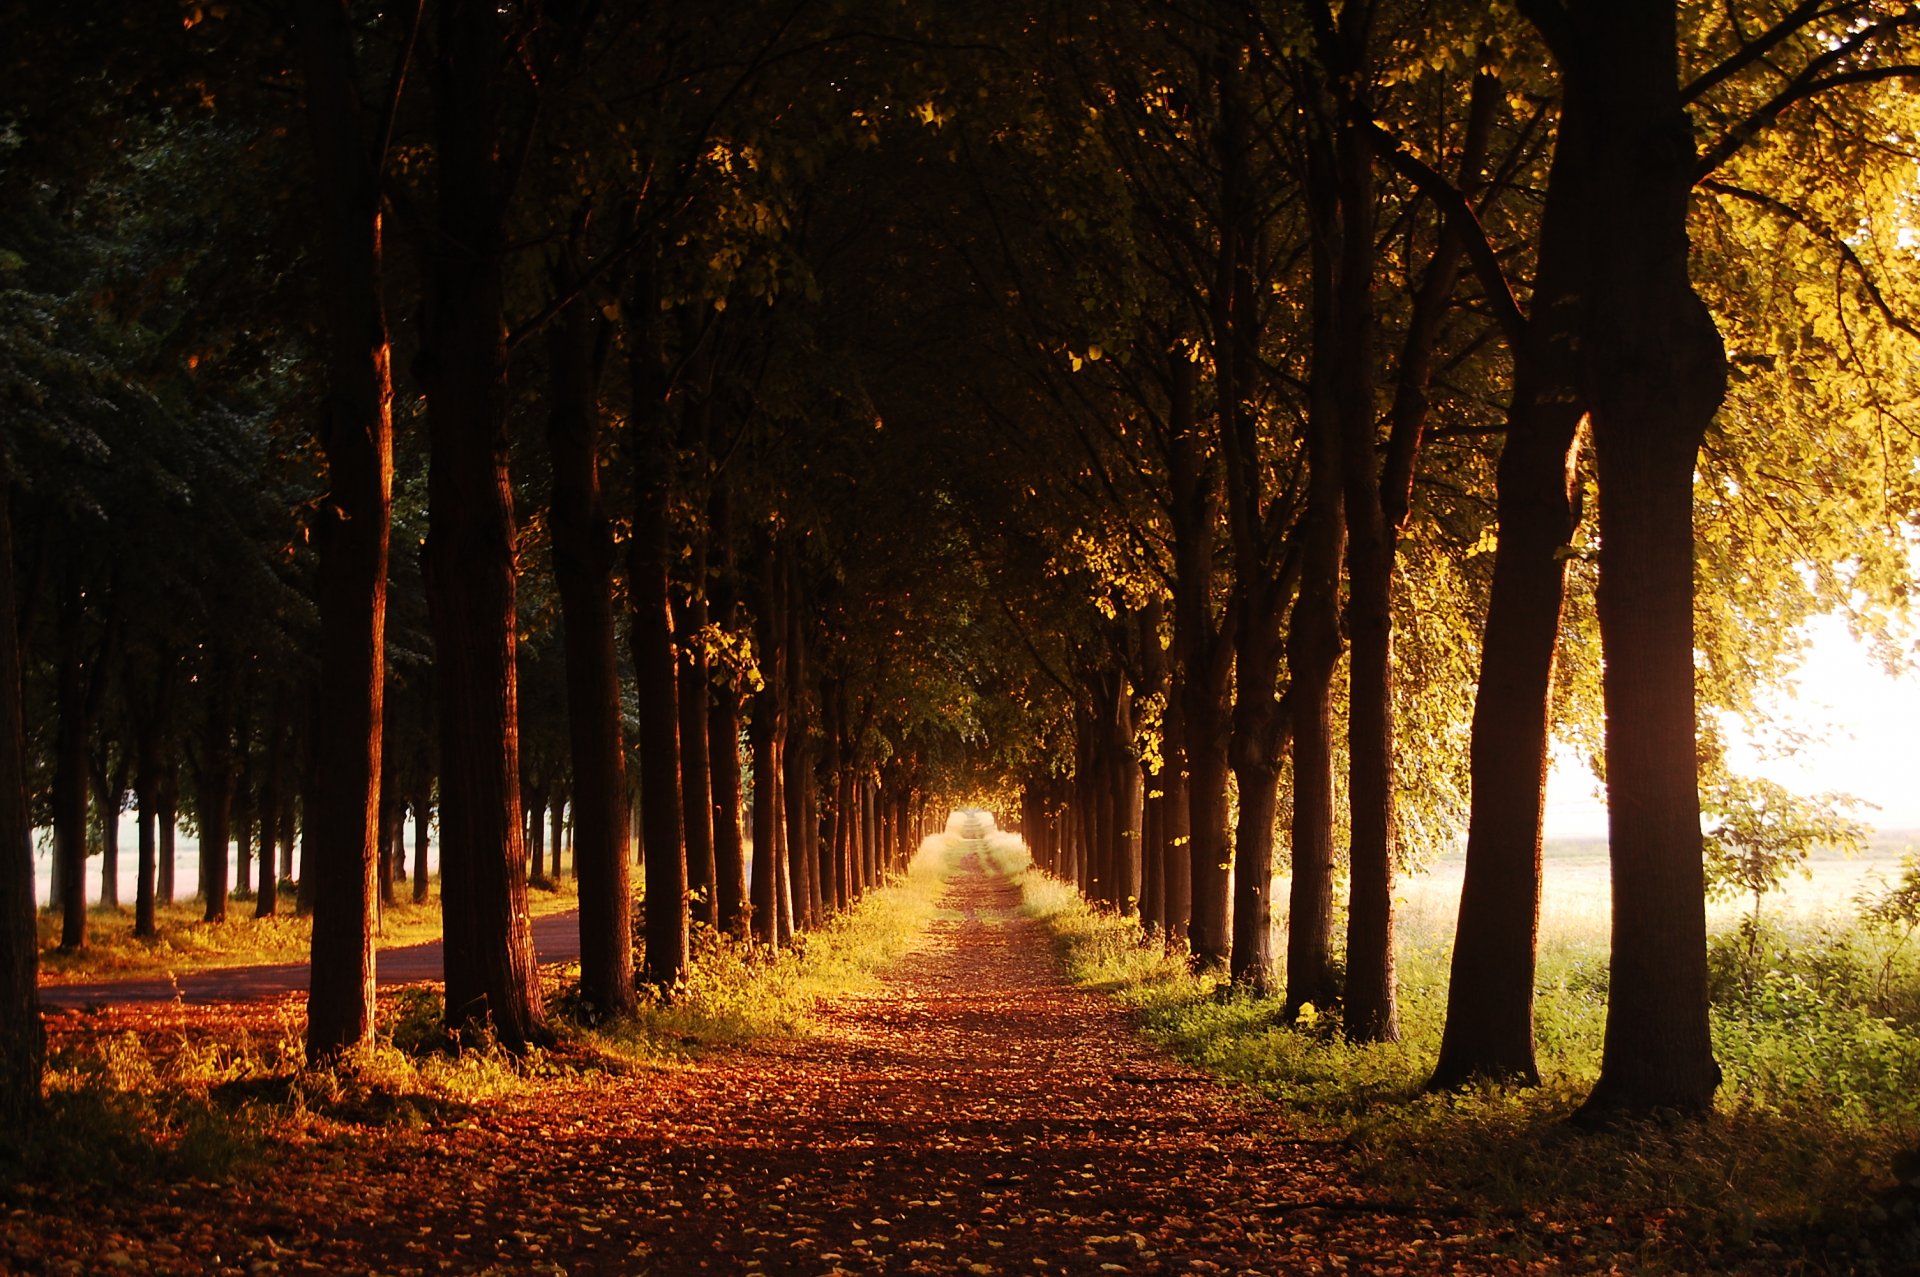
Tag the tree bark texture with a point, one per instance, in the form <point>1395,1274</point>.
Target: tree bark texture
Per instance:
<point>70,770</point>
<point>22,1036</point>
<point>491,974</point>
<point>1654,374</point>
<point>583,562</point>
<point>1489,1025</point>
<point>342,818</point>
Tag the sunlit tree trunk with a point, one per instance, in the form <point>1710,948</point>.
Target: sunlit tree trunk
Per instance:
<point>655,662</point>
<point>696,777</point>
<point>342,816</point>
<point>1314,639</point>
<point>1176,890</point>
<point>767,731</point>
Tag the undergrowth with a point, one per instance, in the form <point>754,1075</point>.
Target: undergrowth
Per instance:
<point>1815,1031</point>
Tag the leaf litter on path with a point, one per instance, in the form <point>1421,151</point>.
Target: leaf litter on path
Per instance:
<point>974,1114</point>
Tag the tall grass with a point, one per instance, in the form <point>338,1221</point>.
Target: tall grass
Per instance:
<point>1814,1024</point>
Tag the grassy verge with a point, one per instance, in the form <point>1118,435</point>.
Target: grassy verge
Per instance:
<point>144,1095</point>
<point>185,943</point>
<point>1815,1031</point>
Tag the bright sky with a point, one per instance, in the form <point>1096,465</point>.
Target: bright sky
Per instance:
<point>1864,727</point>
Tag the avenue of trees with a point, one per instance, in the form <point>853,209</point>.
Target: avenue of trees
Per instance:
<point>1234,436</point>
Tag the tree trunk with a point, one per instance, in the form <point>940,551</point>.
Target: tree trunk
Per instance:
<point>70,771</point>
<point>110,795</point>
<point>469,557</point>
<point>536,806</point>
<point>723,731</point>
<point>1655,374</point>
<point>729,853</point>
<point>148,856</point>
<point>422,844</point>
<point>696,788</point>
<point>583,562</point>
<point>214,779</point>
<point>1369,1005</point>
<point>1314,640</point>
<point>342,816</point>
<point>1489,1025</point>
<point>1176,836</point>
<point>22,1037</point>
<point>267,899</point>
<point>768,739</point>
<point>168,818</point>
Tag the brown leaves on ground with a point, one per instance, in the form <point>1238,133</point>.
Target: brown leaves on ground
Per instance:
<point>975,1115</point>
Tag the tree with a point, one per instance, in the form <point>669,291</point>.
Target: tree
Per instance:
<point>469,559</point>
<point>343,820</point>
<point>22,1039</point>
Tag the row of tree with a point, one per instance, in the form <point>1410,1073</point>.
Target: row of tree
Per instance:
<point>1398,286</point>
<point>1183,416</point>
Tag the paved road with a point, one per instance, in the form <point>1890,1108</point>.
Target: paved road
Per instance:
<point>556,938</point>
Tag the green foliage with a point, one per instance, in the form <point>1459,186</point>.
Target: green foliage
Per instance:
<point>1758,832</point>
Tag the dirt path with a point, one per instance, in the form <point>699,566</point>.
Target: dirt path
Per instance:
<point>973,1115</point>
<point>556,938</point>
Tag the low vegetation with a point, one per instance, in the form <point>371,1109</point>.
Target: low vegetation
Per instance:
<point>1816,1025</point>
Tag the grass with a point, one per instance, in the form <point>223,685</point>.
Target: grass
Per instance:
<point>1816,1024</point>
<point>186,943</point>
<point>201,1094</point>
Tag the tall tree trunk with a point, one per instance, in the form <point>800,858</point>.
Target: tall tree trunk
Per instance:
<point>213,777</point>
<point>22,1037</point>
<point>696,788</point>
<point>797,760</point>
<point>729,852</point>
<point>422,843</point>
<point>768,740</point>
<point>536,801</point>
<point>469,557</point>
<point>723,732</point>
<point>583,562</point>
<point>110,795</point>
<point>1655,374</point>
<point>147,860</point>
<point>1313,639</point>
<point>267,899</point>
<point>1369,1007</point>
<point>342,815</point>
<point>1489,1025</point>
<point>655,663</point>
<point>766,814</point>
<point>70,771</point>
<point>167,817</point>
<point>1176,836</point>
